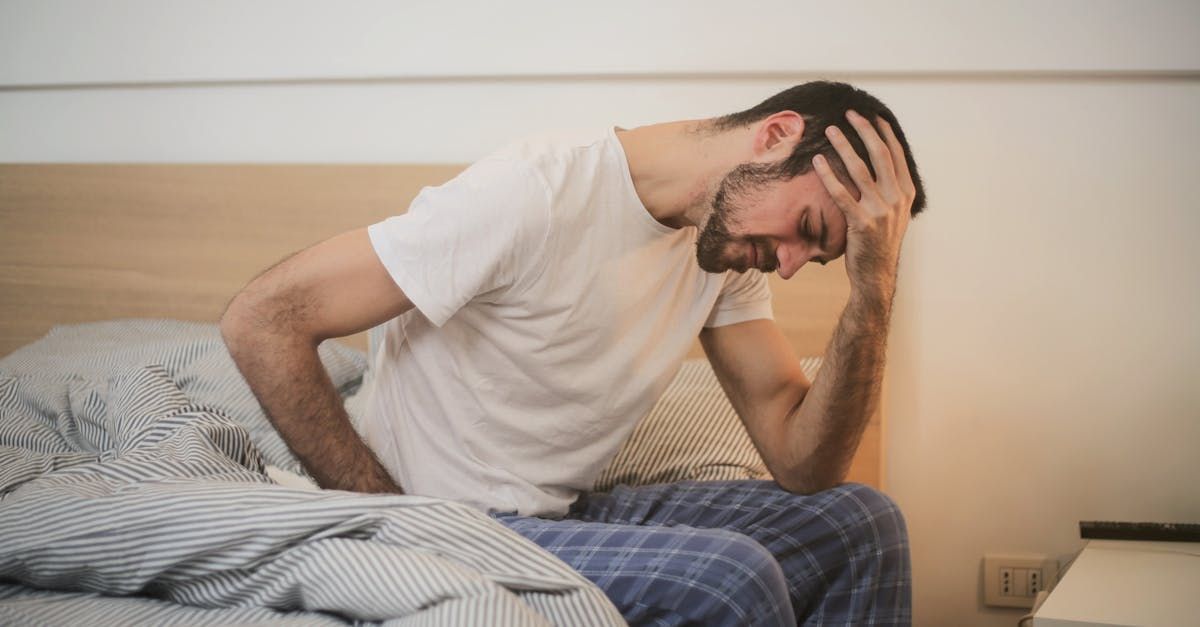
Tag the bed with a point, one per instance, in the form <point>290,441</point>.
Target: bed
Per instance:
<point>139,481</point>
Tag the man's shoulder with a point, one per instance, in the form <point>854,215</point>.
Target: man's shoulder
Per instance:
<point>555,148</point>
<point>557,139</point>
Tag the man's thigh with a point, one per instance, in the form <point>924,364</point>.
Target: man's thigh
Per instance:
<point>744,506</point>
<point>669,575</point>
<point>843,551</point>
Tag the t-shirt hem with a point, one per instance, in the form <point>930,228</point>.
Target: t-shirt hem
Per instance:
<point>752,311</point>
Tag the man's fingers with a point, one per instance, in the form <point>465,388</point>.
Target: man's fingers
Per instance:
<point>841,196</point>
<point>903,176</point>
<point>854,165</point>
<point>880,152</point>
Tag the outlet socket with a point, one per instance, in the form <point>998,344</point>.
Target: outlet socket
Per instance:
<point>1014,579</point>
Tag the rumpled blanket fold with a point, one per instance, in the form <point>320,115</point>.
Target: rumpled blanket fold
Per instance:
<point>124,500</point>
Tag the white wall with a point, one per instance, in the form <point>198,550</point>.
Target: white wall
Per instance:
<point>1044,354</point>
<point>275,80</point>
<point>73,41</point>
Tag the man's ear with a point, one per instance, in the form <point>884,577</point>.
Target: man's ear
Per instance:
<point>777,135</point>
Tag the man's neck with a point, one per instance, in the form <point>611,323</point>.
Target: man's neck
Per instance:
<point>676,166</point>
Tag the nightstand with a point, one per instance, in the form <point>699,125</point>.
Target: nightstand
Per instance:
<point>1118,582</point>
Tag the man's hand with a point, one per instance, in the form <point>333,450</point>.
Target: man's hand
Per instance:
<point>877,221</point>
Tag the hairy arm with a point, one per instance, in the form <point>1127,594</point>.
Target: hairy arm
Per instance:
<point>807,434</point>
<point>273,328</point>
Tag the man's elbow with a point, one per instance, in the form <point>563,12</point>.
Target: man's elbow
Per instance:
<point>234,324</point>
<point>278,319</point>
<point>247,319</point>
<point>805,480</point>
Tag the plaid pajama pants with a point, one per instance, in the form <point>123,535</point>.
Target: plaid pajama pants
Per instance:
<point>737,553</point>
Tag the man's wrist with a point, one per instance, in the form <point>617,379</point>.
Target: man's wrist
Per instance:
<point>873,294</point>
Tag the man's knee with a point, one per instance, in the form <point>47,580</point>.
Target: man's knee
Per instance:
<point>847,555</point>
<point>760,583</point>
<point>869,516</point>
<point>730,580</point>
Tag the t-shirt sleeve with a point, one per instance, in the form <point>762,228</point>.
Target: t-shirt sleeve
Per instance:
<point>476,235</point>
<point>745,296</point>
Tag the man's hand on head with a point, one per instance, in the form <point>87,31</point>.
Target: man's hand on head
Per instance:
<point>877,221</point>
<point>811,447</point>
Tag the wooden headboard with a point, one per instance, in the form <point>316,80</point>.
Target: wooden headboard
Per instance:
<point>95,242</point>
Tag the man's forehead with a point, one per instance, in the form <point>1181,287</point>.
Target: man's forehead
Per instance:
<point>813,191</point>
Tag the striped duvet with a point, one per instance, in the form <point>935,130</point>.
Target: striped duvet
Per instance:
<point>132,491</point>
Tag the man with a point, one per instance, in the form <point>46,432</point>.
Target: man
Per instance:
<point>538,304</point>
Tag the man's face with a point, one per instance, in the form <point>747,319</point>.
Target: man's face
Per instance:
<point>770,224</point>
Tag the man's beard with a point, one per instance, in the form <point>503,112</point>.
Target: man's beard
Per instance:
<point>742,183</point>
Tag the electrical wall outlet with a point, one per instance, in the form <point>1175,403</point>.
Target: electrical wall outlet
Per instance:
<point>1014,580</point>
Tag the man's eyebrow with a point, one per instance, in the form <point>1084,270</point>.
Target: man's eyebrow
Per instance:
<point>824,233</point>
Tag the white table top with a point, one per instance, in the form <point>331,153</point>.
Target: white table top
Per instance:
<point>1117,582</point>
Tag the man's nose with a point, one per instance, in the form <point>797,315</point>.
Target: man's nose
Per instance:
<point>791,259</point>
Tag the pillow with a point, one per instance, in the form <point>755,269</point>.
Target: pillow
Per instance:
<point>692,433</point>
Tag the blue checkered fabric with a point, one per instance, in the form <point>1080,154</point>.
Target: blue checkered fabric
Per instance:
<point>737,553</point>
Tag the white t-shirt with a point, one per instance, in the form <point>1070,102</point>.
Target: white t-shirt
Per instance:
<point>551,311</point>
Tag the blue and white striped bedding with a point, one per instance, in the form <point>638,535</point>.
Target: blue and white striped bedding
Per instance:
<point>132,491</point>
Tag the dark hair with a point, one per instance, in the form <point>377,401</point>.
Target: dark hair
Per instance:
<point>824,104</point>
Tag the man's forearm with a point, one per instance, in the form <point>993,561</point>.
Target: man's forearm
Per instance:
<point>295,391</point>
<point>825,429</point>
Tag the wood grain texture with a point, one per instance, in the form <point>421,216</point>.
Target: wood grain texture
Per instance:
<point>94,242</point>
